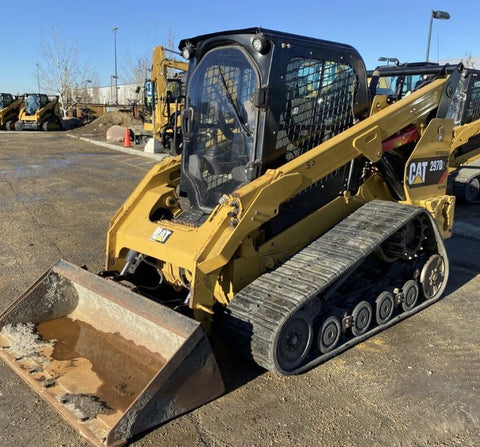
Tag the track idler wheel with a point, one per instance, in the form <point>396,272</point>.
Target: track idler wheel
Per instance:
<point>432,276</point>
<point>361,318</point>
<point>472,190</point>
<point>329,334</point>
<point>294,341</point>
<point>467,191</point>
<point>384,307</point>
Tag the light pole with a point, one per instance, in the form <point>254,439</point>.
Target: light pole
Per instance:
<point>112,83</point>
<point>38,76</point>
<point>440,15</point>
<point>89,90</point>
<point>115,29</point>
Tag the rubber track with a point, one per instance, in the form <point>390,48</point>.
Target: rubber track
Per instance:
<point>257,312</point>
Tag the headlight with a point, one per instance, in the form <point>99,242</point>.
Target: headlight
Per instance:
<point>188,51</point>
<point>260,44</point>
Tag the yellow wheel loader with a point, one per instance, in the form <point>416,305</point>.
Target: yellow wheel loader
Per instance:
<point>164,99</point>
<point>39,112</point>
<point>286,226</point>
<point>9,108</point>
<point>391,83</point>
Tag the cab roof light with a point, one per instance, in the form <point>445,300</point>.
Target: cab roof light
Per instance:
<point>188,51</point>
<point>260,43</point>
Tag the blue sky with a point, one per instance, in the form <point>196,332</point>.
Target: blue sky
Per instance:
<point>374,28</point>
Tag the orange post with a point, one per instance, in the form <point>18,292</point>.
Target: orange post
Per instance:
<point>126,139</point>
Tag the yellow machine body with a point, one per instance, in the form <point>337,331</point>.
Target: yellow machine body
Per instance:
<point>224,254</point>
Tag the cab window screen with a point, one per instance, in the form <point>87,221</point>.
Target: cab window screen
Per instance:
<point>318,104</point>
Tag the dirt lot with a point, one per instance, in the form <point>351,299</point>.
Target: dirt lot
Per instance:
<point>415,384</point>
<point>97,129</point>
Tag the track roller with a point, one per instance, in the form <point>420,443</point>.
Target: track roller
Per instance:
<point>362,317</point>
<point>329,334</point>
<point>384,307</point>
<point>410,292</point>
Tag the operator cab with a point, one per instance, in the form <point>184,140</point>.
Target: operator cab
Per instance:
<point>174,89</point>
<point>258,98</point>
<point>5,100</point>
<point>34,102</point>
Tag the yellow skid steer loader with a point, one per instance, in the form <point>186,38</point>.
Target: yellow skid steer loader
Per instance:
<point>288,219</point>
<point>9,108</point>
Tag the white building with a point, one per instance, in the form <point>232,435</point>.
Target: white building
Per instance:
<point>468,61</point>
<point>128,94</point>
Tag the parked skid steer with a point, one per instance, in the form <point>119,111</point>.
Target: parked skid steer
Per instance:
<point>9,107</point>
<point>391,83</point>
<point>39,112</point>
<point>286,224</point>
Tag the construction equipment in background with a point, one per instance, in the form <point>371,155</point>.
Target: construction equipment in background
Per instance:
<point>9,108</point>
<point>391,83</point>
<point>164,99</point>
<point>288,222</point>
<point>39,111</point>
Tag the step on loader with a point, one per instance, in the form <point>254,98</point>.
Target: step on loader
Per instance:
<point>287,226</point>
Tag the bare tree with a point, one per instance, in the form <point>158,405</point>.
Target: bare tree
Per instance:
<point>137,71</point>
<point>171,41</point>
<point>468,61</point>
<point>60,70</point>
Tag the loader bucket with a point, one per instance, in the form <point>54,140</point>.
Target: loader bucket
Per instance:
<point>110,361</point>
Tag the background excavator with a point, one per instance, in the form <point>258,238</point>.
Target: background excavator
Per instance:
<point>164,98</point>
<point>290,224</point>
<point>39,112</point>
<point>9,108</point>
<point>392,83</point>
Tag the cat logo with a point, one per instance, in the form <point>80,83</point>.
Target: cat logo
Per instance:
<point>417,172</point>
<point>161,235</point>
<point>427,172</point>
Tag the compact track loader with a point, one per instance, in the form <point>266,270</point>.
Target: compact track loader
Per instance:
<point>38,112</point>
<point>391,83</point>
<point>290,223</point>
<point>9,108</point>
